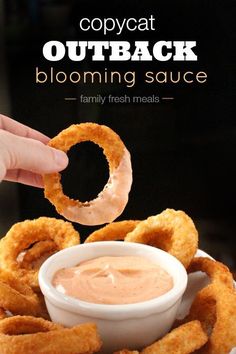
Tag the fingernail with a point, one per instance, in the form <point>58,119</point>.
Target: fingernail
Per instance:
<point>61,158</point>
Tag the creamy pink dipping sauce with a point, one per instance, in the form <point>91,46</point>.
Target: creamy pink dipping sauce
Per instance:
<point>113,280</point>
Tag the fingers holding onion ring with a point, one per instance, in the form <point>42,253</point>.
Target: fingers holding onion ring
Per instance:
<point>112,232</point>
<point>111,202</point>
<point>173,231</point>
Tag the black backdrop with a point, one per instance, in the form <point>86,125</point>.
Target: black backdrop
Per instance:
<point>183,151</point>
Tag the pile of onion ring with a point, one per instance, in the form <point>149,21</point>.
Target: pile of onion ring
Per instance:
<point>209,327</point>
<point>21,302</point>
<point>111,202</point>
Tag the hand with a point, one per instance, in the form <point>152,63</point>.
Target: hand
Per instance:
<point>24,155</point>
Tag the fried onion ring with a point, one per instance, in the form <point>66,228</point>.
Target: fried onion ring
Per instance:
<point>173,231</point>
<point>215,307</point>
<point>182,340</point>
<point>18,298</point>
<point>113,232</point>
<point>26,334</point>
<point>111,202</point>
<point>217,271</point>
<point>24,234</point>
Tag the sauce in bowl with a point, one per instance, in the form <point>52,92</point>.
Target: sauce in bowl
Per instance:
<point>114,280</point>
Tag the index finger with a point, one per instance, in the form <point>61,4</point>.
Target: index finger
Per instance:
<point>19,129</point>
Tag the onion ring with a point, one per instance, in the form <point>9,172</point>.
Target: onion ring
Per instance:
<point>217,271</point>
<point>111,202</point>
<point>18,298</point>
<point>182,340</point>
<point>26,334</point>
<point>113,232</point>
<point>173,231</point>
<point>24,234</point>
<point>215,307</point>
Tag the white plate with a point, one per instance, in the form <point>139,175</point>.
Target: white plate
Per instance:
<point>196,282</point>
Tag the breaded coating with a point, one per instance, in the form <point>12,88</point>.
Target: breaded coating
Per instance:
<point>24,234</point>
<point>182,340</point>
<point>26,334</point>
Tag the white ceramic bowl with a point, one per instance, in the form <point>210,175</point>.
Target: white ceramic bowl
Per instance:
<point>132,325</point>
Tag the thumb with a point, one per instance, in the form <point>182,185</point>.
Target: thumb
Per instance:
<point>30,155</point>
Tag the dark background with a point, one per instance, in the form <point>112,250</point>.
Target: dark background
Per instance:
<point>183,151</point>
